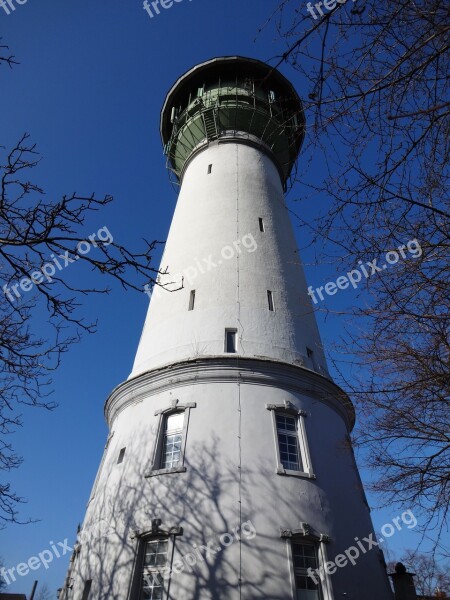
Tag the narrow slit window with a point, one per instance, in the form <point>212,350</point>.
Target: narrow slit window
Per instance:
<point>311,357</point>
<point>87,589</point>
<point>121,455</point>
<point>192,300</point>
<point>261,224</point>
<point>230,340</point>
<point>209,169</point>
<point>270,300</point>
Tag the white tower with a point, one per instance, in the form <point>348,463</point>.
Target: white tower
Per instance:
<point>228,473</point>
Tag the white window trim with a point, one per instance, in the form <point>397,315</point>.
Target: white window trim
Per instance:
<point>289,409</point>
<point>142,537</point>
<point>320,540</point>
<point>159,440</point>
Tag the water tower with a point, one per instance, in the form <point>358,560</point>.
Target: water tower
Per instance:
<point>228,473</point>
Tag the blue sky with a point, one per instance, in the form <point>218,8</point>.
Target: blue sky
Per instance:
<point>91,81</point>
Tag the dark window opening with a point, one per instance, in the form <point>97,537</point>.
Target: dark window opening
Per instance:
<point>231,340</point>
<point>209,169</point>
<point>192,300</point>
<point>87,589</point>
<point>121,455</point>
<point>270,299</point>
<point>261,224</point>
<point>311,356</point>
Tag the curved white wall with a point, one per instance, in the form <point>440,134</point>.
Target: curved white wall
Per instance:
<point>213,211</point>
<point>230,459</point>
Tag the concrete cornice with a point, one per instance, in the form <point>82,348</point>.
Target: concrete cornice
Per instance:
<point>223,369</point>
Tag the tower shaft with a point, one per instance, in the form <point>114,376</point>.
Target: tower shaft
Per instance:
<point>231,242</point>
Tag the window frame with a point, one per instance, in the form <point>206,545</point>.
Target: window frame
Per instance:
<point>290,410</point>
<point>304,536</point>
<point>142,539</point>
<point>175,431</point>
<point>152,571</point>
<point>158,446</point>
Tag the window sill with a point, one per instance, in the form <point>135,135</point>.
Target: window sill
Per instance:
<point>157,472</point>
<point>290,473</point>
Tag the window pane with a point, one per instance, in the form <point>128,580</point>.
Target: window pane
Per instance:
<point>152,586</point>
<point>289,452</point>
<point>308,595</point>
<point>174,421</point>
<point>289,448</point>
<point>154,562</point>
<point>171,450</point>
<point>286,422</point>
<point>303,582</point>
<point>305,556</point>
<point>154,548</point>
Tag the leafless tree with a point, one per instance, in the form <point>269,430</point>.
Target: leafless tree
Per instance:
<point>374,75</point>
<point>44,593</point>
<point>40,315</point>
<point>5,57</point>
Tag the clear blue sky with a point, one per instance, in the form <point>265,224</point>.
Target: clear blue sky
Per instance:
<point>89,89</point>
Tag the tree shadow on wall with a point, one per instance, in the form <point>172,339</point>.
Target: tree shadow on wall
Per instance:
<point>204,501</point>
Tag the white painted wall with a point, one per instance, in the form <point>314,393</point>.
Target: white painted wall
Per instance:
<point>230,426</point>
<point>212,212</point>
